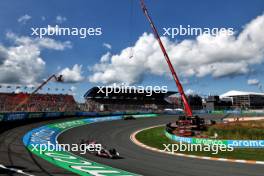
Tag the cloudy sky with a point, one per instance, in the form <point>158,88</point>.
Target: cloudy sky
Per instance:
<point>206,64</point>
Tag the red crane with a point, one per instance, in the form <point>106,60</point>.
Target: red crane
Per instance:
<point>187,107</point>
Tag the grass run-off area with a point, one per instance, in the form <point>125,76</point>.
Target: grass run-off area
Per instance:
<point>247,130</point>
<point>155,137</point>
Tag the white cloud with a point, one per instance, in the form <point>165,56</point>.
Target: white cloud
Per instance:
<point>60,19</point>
<point>24,19</point>
<point>43,18</point>
<point>253,82</point>
<point>46,43</point>
<point>3,54</point>
<point>22,63</point>
<point>107,45</point>
<point>190,92</point>
<point>73,88</point>
<point>106,57</point>
<point>217,56</point>
<point>73,75</point>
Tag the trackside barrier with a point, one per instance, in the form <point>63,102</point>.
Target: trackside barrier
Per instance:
<point>220,112</point>
<point>49,133</point>
<point>18,116</point>
<point>206,141</point>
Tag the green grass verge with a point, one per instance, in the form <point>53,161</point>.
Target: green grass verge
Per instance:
<point>155,137</point>
<point>248,130</point>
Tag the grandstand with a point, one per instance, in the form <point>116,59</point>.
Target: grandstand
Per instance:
<point>37,102</point>
<point>132,101</point>
<point>245,100</point>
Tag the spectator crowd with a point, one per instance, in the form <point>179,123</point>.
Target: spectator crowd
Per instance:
<point>36,102</point>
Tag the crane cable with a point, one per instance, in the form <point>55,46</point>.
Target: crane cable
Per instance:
<point>131,29</point>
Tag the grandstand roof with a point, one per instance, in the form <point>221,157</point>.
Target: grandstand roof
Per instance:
<point>239,93</point>
<point>95,93</point>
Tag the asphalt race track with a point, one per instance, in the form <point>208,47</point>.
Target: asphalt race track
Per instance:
<point>14,155</point>
<point>115,134</point>
<point>141,161</point>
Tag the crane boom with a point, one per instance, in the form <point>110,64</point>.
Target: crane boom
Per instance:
<point>187,107</point>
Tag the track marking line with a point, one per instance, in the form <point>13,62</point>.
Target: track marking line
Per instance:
<point>137,142</point>
<point>19,171</point>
